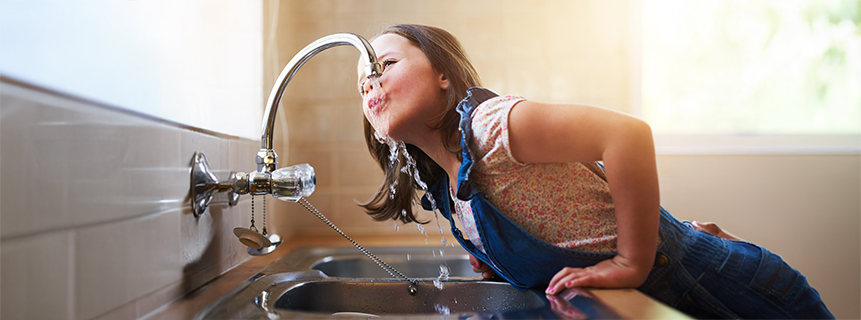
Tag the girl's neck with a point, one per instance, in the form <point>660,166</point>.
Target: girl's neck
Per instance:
<point>446,159</point>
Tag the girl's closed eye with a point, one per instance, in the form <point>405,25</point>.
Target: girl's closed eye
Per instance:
<point>388,63</point>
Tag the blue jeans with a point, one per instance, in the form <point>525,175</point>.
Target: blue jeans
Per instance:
<point>708,277</point>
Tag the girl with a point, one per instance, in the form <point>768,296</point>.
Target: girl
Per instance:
<point>534,206</point>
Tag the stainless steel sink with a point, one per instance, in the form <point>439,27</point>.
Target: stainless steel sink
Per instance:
<point>417,264</point>
<point>326,282</point>
<point>392,298</point>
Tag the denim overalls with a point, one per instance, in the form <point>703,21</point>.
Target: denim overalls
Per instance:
<point>694,272</point>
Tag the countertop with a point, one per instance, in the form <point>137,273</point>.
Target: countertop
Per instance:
<point>628,303</point>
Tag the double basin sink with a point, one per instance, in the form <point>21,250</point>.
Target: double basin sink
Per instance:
<point>340,282</point>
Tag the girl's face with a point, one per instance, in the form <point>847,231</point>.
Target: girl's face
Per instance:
<point>401,102</point>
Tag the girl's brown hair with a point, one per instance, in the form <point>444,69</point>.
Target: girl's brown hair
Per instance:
<point>447,57</point>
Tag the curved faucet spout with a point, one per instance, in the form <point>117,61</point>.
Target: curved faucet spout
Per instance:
<point>267,160</point>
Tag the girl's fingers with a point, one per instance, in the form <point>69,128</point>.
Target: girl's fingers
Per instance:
<point>480,267</point>
<point>566,278</point>
<point>582,281</point>
<point>475,263</point>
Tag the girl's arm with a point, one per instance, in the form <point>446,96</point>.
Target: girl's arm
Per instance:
<point>552,133</point>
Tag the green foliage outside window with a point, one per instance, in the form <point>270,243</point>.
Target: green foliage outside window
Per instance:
<point>752,66</point>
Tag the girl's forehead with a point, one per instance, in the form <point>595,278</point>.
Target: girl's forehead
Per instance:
<point>388,43</point>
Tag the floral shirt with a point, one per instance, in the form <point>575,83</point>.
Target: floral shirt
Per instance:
<point>566,204</point>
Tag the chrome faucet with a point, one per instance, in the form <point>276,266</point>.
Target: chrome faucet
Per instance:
<point>288,184</point>
<point>266,157</point>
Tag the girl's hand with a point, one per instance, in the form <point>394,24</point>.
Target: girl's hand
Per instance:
<point>713,229</point>
<point>610,273</point>
<point>480,267</point>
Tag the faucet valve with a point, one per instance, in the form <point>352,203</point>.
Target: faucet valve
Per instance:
<point>286,184</point>
<point>267,160</point>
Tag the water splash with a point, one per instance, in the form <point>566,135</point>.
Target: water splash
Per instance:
<point>441,309</point>
<point>444,274</point>
<point>438,283</point>
<point>410,168</point>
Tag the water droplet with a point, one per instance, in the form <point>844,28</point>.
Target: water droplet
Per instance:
<point>437,283</point>
<point>444,272</point>
<point>444,310</point>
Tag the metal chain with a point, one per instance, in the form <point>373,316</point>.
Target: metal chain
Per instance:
<point>264,215</point>
<point>385,266</point>
<point>253,228</point>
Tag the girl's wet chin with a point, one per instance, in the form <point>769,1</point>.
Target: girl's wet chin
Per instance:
<point>378,121</point>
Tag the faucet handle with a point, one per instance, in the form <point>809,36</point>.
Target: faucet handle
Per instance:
<point>294,182</point>
<point>287,184</point>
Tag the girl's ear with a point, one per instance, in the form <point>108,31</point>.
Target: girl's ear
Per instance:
<point>443,81</point>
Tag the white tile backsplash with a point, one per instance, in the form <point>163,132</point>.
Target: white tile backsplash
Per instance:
<point>118,262</point>
<point>96,218</point>
<point>37,275</point>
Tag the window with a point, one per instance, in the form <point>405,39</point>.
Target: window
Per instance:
<point>752,68</point>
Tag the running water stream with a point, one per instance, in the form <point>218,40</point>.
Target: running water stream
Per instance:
<point>396,148</point>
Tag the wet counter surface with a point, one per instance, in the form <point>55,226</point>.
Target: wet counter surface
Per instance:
<point>312,294</point>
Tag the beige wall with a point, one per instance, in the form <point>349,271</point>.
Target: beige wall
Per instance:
<point>805,208</point>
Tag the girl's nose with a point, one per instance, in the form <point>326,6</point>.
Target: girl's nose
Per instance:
<point>367,86</point>
<point>371,84</point>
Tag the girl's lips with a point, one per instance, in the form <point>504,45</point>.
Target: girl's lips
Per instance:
<point>375,104</point>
